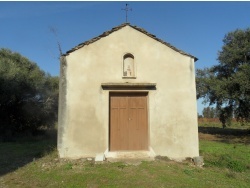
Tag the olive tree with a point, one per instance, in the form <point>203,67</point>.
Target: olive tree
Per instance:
<point>227,85</point>
<point>28,95</point>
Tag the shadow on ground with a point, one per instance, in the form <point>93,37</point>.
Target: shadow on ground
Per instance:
<point>227,135</point>
<point>20,152</point>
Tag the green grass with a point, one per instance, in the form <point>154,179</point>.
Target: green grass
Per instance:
<point>35,164</point>
<point>235,157</point>
<point>17,154</point>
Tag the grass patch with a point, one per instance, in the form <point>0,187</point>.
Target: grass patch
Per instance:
<point>18,154</point>
<point>235,157</point>
<point>35,164</point>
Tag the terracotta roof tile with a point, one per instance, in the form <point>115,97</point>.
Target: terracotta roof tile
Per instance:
<point>119,27</point>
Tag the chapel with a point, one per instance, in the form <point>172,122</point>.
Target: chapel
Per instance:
<point>127,92</point>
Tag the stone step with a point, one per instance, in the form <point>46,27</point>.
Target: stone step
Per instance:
<point>129,156</point>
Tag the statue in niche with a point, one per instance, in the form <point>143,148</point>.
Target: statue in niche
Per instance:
<point>128,66</point>
<point>129,73</point>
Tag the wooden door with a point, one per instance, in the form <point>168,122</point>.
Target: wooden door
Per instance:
<point>128,121</point>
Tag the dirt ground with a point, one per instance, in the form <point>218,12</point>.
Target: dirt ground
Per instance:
<point>225,135</point>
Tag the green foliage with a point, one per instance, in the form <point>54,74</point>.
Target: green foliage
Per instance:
<point>227,85</point>
<point>28,96</point>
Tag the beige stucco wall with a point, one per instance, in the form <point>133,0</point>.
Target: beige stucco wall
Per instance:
<point>84,120</point>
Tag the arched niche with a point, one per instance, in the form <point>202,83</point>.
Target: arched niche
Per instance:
<point>128,65</point>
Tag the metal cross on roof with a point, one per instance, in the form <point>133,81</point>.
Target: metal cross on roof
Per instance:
<point>127,9</point>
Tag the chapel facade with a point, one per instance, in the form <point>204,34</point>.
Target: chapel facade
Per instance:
<point>127,91</point>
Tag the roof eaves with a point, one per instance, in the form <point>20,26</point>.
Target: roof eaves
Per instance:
<point>163,42</point>
<point>104,34</point>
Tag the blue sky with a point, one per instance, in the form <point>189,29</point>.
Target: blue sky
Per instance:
<point>194,27</point>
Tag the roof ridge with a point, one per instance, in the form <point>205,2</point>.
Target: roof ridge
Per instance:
<point>106,33</point>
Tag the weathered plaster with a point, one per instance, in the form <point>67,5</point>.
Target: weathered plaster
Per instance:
<point>62,125</point>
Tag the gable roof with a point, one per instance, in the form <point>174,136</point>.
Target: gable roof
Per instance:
<point>118,28</point>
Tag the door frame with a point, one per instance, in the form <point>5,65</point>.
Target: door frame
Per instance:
<point>112,93</point>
